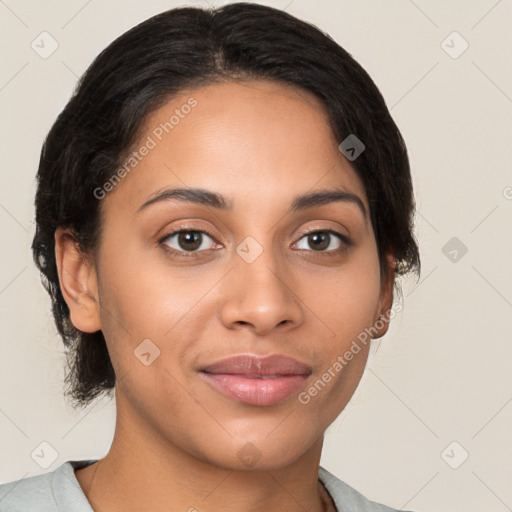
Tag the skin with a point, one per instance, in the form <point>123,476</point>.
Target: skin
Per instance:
<point>177,439</point>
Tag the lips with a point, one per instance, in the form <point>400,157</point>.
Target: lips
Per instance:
<point>257,380</point>
<point>249,365</point>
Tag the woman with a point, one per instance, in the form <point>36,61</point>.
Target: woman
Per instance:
<point>222,210</point>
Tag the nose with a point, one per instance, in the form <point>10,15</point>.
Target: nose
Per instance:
<point>261,295</point>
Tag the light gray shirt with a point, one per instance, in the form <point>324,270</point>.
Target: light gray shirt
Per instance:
<point>59,491</point>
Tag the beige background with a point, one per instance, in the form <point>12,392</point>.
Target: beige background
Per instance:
<point>441,374</point>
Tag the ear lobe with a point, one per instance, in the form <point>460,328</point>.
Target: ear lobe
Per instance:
<point>78,283</point>
<point>381,323</point>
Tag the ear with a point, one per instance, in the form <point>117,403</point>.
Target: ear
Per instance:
<point>381,322</point>
<point>78,282</point>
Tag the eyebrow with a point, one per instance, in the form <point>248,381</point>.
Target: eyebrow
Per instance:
<point>215,200</point>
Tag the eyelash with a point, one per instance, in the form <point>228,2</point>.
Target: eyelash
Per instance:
<point>191,254</point>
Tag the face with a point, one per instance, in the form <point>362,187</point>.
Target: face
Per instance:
<point>185,283</point>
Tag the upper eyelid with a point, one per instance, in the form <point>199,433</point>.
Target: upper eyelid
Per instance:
<point>186,230</point>
<point>342,237</point>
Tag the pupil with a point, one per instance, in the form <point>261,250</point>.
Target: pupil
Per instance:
<point>189,237</point>
<point>316,236</point>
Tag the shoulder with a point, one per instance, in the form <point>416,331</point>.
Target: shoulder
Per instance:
<point>346,498</point>
<point>31,493</point>
<point>49,492</point>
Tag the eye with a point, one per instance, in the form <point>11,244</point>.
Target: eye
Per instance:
<point>185,241</point>
<point>320,240</point>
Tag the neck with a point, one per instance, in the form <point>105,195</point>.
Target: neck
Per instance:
<point>144,471</point>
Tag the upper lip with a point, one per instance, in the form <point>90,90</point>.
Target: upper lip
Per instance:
<point>247,364</point>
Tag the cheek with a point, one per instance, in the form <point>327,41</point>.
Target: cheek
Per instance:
<point>141,300</point>
<point>147,327</point>
<point>136,292</point>
<point>348,300</point>
<point>347,305</point>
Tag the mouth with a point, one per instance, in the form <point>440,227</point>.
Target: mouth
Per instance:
<point>256,380</point>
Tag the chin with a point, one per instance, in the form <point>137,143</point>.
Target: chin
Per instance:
<point>259,454</point>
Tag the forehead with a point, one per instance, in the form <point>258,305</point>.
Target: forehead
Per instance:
<point>251,140</point>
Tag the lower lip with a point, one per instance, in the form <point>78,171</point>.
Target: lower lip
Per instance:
<point>256,391</point>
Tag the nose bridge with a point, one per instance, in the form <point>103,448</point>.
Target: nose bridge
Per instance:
<point>259,291</point>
